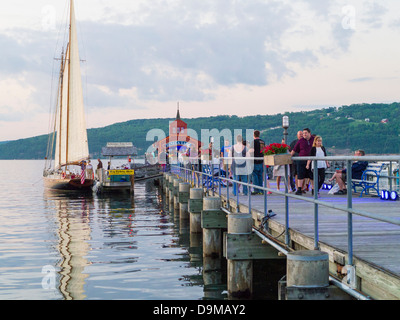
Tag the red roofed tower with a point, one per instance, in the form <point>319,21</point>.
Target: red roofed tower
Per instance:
<point>177,127</point>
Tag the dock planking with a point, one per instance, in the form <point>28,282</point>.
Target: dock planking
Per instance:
<point>376,244</point>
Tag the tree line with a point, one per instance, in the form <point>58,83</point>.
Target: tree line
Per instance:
<point>374,128</point>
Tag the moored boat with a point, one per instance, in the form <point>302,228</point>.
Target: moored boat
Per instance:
<point>68,169</point>
<point>115,178</point>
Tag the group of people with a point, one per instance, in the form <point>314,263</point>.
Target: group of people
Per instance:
<point>307,144</point>
<point>239,168</point>
<point>301,173</point>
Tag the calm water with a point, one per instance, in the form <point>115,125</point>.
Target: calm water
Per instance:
<point>90,247</point>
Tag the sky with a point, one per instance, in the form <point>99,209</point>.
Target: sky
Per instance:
<point>215,57</point>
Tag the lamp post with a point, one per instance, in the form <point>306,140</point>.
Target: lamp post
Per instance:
<point>285,126</point>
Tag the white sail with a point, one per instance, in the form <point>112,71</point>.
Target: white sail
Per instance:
<point>72,144</point>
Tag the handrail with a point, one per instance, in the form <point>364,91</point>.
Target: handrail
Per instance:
<point>326,204</point>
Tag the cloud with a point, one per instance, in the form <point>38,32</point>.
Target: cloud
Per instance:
<point>362,79</point>
<point>178,48</point>
<point>159,51</point>
<point>373,14</point>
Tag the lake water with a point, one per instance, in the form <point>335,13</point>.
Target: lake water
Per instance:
<point>90,247</point>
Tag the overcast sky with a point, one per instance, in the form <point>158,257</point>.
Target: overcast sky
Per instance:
<point>241,57</point>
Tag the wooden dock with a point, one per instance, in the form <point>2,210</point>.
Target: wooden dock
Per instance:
<point>374,267</point>
<point>376,245</point>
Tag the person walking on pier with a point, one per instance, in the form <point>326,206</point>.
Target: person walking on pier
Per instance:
<point>303,147</point>
<point>239,167</point>
<point>318,150</point>
<point>293,166</point>
<point>256,150</point>
<point>225,150</point>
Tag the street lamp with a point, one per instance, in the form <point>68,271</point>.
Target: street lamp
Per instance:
<point>285,126</point>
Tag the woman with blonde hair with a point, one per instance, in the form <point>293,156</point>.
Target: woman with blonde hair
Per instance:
<point>318,150</point>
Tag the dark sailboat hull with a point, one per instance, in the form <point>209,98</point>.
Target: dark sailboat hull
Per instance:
<point>67,184</point>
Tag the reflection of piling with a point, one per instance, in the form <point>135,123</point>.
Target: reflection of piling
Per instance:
<point>195,206</point>
<point>165,182</point>
<point>175,192</point>
<point>213,219</point>
<point>212,278</point>
<point>171,192</point>
<point>195,250</point>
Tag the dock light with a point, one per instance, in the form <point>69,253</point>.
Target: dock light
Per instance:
<point>326,186</point>
<point>385,195</point>
<point>285,126</point>
<point>285,122</point>
<point>394,196</point>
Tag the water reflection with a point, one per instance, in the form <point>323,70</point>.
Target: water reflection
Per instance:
<point>72,214</point>
<point>123,247</point>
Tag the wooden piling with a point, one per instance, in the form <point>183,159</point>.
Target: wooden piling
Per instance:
<point>240,272</point>
<point>307,277</point>
<point>212,221</point>
<point>195,206</point>
<point>132,186</point>
<point>183,199</point>
<point>308,268</point>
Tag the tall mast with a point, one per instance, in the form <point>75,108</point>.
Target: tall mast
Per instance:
<point>69,75</point>
<point>61,104</point>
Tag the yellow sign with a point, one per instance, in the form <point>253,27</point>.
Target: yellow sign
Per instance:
<point>121,172</point>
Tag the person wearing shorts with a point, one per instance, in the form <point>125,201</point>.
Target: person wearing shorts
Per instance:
<point>303,148</point>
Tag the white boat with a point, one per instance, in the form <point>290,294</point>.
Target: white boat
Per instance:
<point>67,169</point>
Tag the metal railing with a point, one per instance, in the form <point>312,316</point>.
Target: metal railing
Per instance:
<point>211,180</point>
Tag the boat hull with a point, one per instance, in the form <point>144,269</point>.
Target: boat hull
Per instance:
<point>116,187</point>
<point>67,184</point>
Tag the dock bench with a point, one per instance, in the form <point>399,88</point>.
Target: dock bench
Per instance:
<point>369,179</point>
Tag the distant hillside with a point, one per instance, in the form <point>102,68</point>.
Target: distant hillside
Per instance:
<point>344,128</point>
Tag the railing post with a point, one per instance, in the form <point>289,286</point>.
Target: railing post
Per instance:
<point>349,215</point>
<point>249,192</point>
<point>219,177</point>
<point>316,233</point>
<point>287,239</point>
<point>227,184</point>
<point>237,193</point>
<point>265,179</point>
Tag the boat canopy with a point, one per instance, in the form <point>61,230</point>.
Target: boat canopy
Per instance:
<point>119,149</point>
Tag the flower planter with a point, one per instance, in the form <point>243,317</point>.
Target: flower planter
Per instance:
<point>278,159</point>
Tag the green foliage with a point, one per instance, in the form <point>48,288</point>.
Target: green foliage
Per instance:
<point>341,128</point>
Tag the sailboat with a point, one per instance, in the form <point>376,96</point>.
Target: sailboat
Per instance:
<point>68,171</point>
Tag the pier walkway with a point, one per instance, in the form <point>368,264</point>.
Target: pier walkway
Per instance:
<point>376,244</point>
<point>360,234</point>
